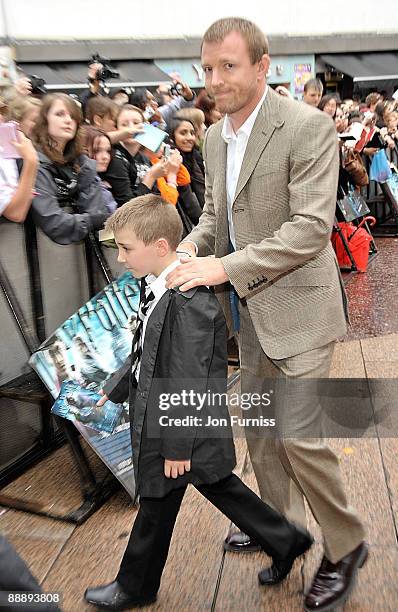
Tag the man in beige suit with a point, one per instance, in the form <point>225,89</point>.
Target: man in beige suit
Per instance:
<point>271,180</point>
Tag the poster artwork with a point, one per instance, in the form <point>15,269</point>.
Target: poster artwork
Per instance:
<point>302,74</point>
<point>80,357</point>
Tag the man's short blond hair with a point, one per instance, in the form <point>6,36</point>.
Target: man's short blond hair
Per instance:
<point>150,218</point>
<point>257,42</point>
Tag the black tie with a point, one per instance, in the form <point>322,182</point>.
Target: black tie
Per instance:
<point>147,298</point>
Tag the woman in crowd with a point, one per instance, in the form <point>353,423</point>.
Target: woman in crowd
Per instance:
<point>184,137</point>
<point>197,117</point>
<point>3,110</point>
<point>341,120</point>
<point>69,203</point>
<point>328,105</point>
<point>392,126</point>
<point>18,177</point>
<point>101,113</point>
<point>183,184</point>
<point>125,178</point>
<point>145,101</point>
<point>120,96</point>
<point>98,146</point>
<point>208,106</point>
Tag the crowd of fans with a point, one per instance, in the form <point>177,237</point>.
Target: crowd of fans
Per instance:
<point>360,120</point>
<point>76,161</point>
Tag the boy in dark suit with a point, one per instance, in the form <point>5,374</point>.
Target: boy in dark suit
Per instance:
<point>179,337</point>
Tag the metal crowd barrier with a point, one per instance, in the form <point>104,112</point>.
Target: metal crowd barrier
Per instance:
<point>382,206</point>
<point>41,284</point>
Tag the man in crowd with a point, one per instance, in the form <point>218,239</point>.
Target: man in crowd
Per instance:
<point>271,180</point>
<point>313,90</point>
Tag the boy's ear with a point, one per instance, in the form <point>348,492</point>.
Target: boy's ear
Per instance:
<point>163,246</point>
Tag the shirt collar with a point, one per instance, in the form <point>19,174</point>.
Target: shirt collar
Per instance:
<point>228,132</point>
<point>157,284</point>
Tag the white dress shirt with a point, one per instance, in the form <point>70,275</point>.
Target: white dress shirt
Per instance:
<point>236,147</point>
<point>156,284</point>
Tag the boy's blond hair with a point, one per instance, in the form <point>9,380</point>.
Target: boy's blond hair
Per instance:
<point>150,218</point>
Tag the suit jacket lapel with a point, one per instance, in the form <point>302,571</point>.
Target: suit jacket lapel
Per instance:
<point>220,197</point>
<point>152,336</point>
<point>266,122</point>
<point>219,186</point>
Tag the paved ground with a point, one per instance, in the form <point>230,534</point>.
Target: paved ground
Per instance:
<point>199,575</point>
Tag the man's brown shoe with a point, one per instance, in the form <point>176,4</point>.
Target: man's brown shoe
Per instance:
<point>334,582</point>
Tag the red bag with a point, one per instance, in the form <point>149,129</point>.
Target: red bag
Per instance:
<point>358,240</point>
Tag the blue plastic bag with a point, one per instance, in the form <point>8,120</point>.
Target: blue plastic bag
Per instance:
<point>380,169</point>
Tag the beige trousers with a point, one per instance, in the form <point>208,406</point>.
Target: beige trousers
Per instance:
<point>290,466</point>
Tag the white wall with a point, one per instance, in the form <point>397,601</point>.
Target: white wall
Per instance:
<point>112,19</point>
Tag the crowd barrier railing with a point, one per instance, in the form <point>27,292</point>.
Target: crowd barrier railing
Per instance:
<point>41,284</point>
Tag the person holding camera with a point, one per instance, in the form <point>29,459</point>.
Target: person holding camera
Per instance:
<point>184,97</point>
<point>68,204</point>
<point>98,72</point>
<point>18,176</point>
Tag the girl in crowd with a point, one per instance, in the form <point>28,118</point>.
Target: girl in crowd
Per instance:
<point>98,147</point>
<point>122,174</point>
<point>208,106</point>
<point>341,120</point>
<point>177,187</point>
<point>120,97</point>
<point>184,136</point>
<point>328,105</point>
<point>101,113</point>
<point>69,203</point>
<point>197,117</point>
<point>17,179</point>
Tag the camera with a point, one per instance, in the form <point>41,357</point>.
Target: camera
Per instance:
<point>104,73</point>
<point>176,90</point>
<point>38,84</point>
<point>148,113</point>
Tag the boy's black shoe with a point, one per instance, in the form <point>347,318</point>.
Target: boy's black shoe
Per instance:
<point>237,541</point>
<point>112,597</point>
<point>281,568</point>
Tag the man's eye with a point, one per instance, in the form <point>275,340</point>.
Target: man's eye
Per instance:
<point>207,69</point>
<point>229,66</point>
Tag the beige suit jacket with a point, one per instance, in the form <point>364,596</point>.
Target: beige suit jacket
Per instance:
<point>284,266</point>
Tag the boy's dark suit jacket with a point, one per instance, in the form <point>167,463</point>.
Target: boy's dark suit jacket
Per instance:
<point>185,338</point>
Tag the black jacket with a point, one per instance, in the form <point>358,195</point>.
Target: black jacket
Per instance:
<point>185,346</point>
<point>194,164</point>
<point>191,197</point>
<point>122,176</point>
<point>68,207</point>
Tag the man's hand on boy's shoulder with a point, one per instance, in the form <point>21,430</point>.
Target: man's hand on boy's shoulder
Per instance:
<point>173,469</point>
<point>207,271</point>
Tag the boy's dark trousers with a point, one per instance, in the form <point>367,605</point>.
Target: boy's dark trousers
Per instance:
<point>146,553</point>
